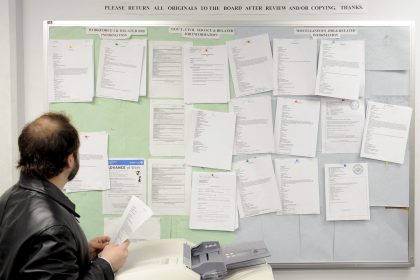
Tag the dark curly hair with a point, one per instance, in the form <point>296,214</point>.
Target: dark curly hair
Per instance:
<point>45,144</point>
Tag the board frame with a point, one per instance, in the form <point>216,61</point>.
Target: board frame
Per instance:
<point>254,23</point>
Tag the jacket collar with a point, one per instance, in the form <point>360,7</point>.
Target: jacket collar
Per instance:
<point>48,189</point>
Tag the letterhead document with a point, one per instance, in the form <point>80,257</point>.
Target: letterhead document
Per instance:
<point>294,66</point>
<point>296,126</point>
<point>256,186</point>
<point>213,201</point>
<point>386,132</point>
<point>206,74</point>
<point>167,120</point>
<point>166,78</point>
<point>342,123</point>
<point>135,215</point>
<point>251,64</point>
<point>341,69</point>
<point>93,155</point>
<point>70,71</point>
<point>169,186</point>
<point>120,69</point>
<point>254,125</point>
<point>209,138</point>
<point>347,191</point>
<point>127,178</point>
<point>297,179</point>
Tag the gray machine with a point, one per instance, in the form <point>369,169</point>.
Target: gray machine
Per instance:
<point>212,261</point>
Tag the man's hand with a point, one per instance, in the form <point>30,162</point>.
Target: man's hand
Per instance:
<point>96,246</point>
<point>116,254</point>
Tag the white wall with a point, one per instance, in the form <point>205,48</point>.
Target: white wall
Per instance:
<point>34,12</point>
<point>8,93</point>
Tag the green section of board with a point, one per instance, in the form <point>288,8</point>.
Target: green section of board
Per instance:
<point>127,124</point>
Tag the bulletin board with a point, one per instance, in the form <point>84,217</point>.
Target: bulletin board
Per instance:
<point>295,241</point>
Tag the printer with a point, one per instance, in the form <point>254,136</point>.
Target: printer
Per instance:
<point>178,259</point>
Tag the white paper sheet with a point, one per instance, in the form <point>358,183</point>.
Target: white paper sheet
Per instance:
<point>342,123</point>
<point>254,125</point>
<point>143,80</point>
<point>166,69</point>
<point>206,74</point>
<point>167,120</point>
<point>251,64</point>
<point>70,71</point>
<point>341,69</point>
<point>296,126</point>
<point>209,138</point>
<point>347,191</point>
<point>256,186</point>
<point>120,69</point>
<point>127,177</point>
<point>386,132</point>
<point>134,216</point>
<point>169,186</point>
<point>150,230</point>
<point>213,201</point>
<point>93,155</point>
<point>294,66</point>
<point>297,179</point>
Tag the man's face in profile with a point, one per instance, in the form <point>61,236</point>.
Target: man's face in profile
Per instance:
<point>76,166</point>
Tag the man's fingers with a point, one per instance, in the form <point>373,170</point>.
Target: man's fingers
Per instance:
<point>126,243</point>
<point>105,239</point>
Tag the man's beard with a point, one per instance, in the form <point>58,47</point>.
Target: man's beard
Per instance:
<point>75,169</point>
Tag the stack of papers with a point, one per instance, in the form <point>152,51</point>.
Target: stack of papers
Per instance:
<point>213,201</point>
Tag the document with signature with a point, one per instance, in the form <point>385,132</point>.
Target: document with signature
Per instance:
<point>347,191</point>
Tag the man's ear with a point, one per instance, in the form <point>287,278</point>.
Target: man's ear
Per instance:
<point>70,160</point>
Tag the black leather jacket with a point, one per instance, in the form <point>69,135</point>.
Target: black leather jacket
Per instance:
<point>40,237</point>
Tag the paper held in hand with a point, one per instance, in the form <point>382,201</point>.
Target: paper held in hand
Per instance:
<point>135,215</point>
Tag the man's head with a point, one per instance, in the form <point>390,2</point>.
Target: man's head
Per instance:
<point>48,146</point>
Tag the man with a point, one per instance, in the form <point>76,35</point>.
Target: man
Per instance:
<point>40,237</point>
